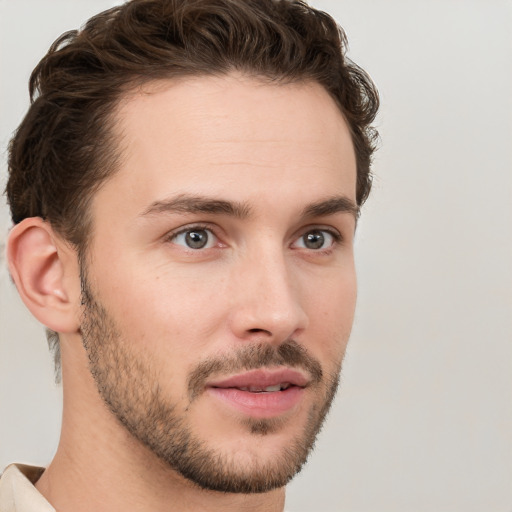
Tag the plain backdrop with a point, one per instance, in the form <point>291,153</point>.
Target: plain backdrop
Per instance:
<point>423,421</point>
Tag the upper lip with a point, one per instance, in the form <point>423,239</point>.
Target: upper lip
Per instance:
<point>262,378</point>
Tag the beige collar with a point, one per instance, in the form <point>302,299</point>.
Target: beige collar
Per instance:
<point>17,491</point>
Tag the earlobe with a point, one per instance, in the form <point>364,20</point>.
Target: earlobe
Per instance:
<point>38,263</point>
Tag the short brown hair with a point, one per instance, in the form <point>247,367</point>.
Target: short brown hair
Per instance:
<point>64,148</point>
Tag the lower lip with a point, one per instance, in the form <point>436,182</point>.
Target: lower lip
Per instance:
<point>260,405</point>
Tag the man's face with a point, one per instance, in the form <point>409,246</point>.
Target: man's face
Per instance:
<point>219,287</point>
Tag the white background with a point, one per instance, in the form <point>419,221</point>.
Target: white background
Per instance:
<point>424,418</point>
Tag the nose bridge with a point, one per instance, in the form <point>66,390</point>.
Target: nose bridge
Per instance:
<point>268,299</point>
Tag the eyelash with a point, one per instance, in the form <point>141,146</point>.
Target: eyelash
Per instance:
<point>336,235</point>
<point>337,238</point>
<point>186,229</point>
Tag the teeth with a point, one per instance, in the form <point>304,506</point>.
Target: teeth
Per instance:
<point>268,389</point>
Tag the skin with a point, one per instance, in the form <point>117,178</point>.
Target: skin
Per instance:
<point>271,150</point>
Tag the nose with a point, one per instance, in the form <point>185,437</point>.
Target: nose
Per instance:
<point>266,299</point>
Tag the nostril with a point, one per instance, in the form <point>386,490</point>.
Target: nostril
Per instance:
<point>259,330</point>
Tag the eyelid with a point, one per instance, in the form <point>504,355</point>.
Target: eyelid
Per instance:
<point>335,233</point>
<point>213,230</point>
<point>198,226</point>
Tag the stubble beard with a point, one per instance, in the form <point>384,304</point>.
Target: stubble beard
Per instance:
<point>129,385</point>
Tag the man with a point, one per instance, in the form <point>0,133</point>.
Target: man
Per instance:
<point>185,189</point>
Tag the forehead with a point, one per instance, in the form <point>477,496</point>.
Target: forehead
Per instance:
<point>230,136</point>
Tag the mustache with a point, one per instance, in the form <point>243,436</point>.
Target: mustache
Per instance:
<point>254,357</point>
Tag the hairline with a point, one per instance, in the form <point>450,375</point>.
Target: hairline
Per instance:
<point>135,86</point>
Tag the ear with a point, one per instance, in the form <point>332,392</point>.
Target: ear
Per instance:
<point>45,271</point>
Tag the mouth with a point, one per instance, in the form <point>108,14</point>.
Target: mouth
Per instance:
<point>269,389</point>
<point>263,393</point>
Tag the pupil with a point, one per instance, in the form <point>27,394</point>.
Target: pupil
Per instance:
<point>314,240</point>
<point>196,239</point>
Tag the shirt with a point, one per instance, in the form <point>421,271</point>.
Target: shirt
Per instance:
<point>17,491</point>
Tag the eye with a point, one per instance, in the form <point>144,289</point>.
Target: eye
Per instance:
<point>195,238</point>
<point>317,239</point>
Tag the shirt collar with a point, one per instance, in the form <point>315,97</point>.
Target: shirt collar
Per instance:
<point>17,491</point>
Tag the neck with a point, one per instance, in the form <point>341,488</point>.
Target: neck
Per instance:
<point>81,489</point>
<point>99,466</point>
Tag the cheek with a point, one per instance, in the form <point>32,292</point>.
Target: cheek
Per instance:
<point>331,314</point>
<point>167,325</point>
<point>333,296</point>
<point>163,310</point>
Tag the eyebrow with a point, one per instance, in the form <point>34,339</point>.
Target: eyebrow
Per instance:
<point>185,203</point>
<point>331,206</point>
